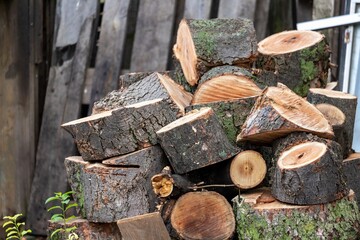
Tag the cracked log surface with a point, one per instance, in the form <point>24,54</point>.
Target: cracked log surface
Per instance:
<point>343,101</point>
<point>151,87</point>
<point>87,230</point>
<point>205,43</point>
<point>351,167</point>
<point>278,112</point>
<point>310,172</point>
<point>259,216</point>
<point>298,59</point>
<point>109,193</point>
<point>195,141</point>
<point>120,131</point>
<point>231,114</point>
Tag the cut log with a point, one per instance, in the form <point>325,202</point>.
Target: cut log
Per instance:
<point>278,112</point>
<point>86,230</point>
<point>231,114</point>
<point>346,103</point>
<point>195,141</point>
<point>148,226</point>
<point>337,120</point>
<point>202,44</point>
<point>351,167</point>
<point>120,131</point>
<point>248,169</point>
<point>109,193</point>
<point>151,87</point>
<point>310,173</point>
<point>225,83</point>
<point>299,59</point>
<point>128,79</point>
<point>260,216</point>
<point>203,215</point>
<point>167,184</point>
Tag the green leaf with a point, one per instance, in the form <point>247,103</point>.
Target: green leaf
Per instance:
<point>10,228</point>
<point>70,206</point>
<point>23,233</point>
<point>50,199</point>
<point>17,215</point>
<point>55,232</point>
<point>57,217</point>
<point>69,218</point>
<point>69,193</point>
<point>12,233</point>
<point>12,237</point>
<point>7,223</point>
<point>65,201</point>
<point>71,229</point>
<point>9,217</point>
<point>54,207</point>
<point>20,224</point>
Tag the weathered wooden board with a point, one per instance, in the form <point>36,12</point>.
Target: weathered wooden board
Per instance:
<point>18,104</point>
<point>261,18</point>
<point>148,226</point>
<point>111,47</point>
<point>197,9</point>
<point>236,8</point>
<point>153,35</point>
<point>72,38</point>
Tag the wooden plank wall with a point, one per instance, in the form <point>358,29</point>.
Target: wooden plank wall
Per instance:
<point>79,67</point>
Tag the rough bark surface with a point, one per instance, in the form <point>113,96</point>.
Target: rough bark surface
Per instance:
<point>278,112</point>
<point>149,88</point>
<point>203,215</point>
<point>120,131</point>
<point>214,42</point>
<point>299,70</point>
<point>259,216</point>
<point>346,103</point>
<point>87,230</point>
<point>319,179</point>
<point>231,114</point>
<point>109,193</point>
<point>195,141</point>
<point>351,167</point>
<point>128,79</point>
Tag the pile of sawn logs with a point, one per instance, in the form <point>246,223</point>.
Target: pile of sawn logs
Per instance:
<point>167,154</point>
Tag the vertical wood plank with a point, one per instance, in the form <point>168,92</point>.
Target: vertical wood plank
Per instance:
<point>72,34</point>
<point>17,98</point>
<point>111,47</point>
<point>236,8</point>
<point>261,18</point>
<point>153,35</point>
<point>304,10</point>
<point>280,16</point>
<point>197,9</point>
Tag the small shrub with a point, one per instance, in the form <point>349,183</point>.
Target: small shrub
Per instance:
<point>13,227</point>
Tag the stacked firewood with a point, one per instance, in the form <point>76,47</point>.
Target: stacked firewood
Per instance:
<point>162,161</point>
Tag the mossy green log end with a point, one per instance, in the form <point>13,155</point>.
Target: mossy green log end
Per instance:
<point>260,217</point>
<point>298,59</point>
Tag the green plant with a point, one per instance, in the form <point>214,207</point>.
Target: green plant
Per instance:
<point>13,227</point>
<point>64,205</point>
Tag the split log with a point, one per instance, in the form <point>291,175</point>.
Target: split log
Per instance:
<point>151,87</point>
<point>120,131</point>
<point>351,167</point>
<point>195,141</point>
<point>298,59</point>
<point>309,173</point>
<point>278,112</point>
<point>128,79</point>
<point>346,103</point>
<point>148,226</point>
<point>203,215</point>
<point>260,216</point>
<point>109,193</point>
<point>231,114</point>
<point>225,83</point>
<point>202,44</point>
<point>86,230</point>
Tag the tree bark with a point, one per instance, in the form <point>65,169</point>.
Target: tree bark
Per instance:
<point>231,114</point>
<point>195,141</point>
<point>86,230</point>
<point>109,193</point>
<point>152,87</point>
<point>309,173</point>
<point>120,131</point>
<point>202,44</point>
<point>278,112</point>
<point>226,83</point>
<point>203,215</point>
<point>259,216</point>
<point>298,59</point>
<point>351,167</point>
<point>343,101</point>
